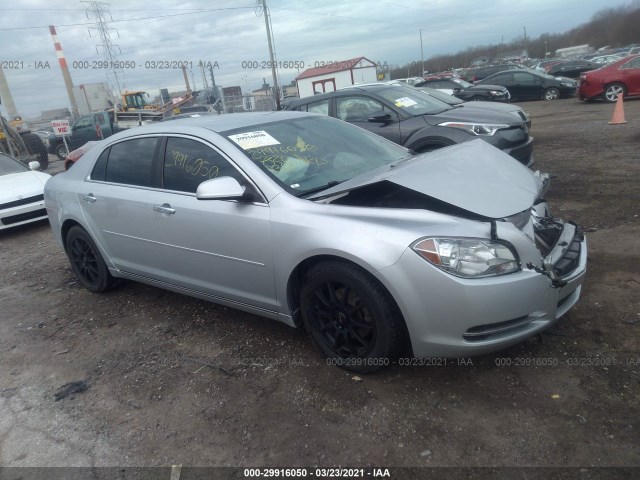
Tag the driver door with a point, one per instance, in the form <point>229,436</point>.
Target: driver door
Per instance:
<point>357,109</point>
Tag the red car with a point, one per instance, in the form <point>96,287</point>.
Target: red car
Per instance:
<point>621,77</point>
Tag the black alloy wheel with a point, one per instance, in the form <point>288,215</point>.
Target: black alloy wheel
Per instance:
<point>351,316</point>
<point>86,261</point>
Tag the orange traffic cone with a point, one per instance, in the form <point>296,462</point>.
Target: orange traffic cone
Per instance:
<point>618,112</point>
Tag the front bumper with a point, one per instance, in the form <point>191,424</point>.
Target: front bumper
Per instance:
<point>523,153</point>
<point>449,316</point>
<point>24,211</point>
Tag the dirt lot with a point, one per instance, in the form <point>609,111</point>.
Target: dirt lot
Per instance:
<point>567,398</point>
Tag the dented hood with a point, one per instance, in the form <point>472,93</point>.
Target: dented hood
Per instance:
<point>473,176</point>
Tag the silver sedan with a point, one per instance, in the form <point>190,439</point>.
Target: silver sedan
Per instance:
<point>379,253</point>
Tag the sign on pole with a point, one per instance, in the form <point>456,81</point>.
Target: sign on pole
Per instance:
<point>61,128</point>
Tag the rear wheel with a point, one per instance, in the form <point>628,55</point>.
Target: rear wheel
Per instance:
<point>61,151</point>
<point>35,146</point>
<point>612,91</point>
<point>551,93</point>
<point>86,261</point>
<point>351,317</point>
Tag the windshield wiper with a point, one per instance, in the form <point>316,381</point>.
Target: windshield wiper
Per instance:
<point>332,183</point>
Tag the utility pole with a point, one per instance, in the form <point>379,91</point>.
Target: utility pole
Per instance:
<point>65,71</point>
<point>525,38</point>
<point>99,12</point>
<point>276,88</point>
<point>421,55</point>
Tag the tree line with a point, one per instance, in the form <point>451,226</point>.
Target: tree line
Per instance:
<point>616,27</point>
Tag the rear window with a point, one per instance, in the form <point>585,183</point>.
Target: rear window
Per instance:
<point>130,162</point>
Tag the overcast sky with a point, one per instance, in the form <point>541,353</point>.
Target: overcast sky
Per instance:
<point>230,32</point>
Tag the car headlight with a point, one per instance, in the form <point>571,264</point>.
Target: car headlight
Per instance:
<point>488,129</point>
<point>568,84</point>
<point>468,257</point>
<point>496,93</point>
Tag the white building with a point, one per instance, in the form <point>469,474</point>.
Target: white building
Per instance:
<point>571,51</point>
<point>93,97</point>
<point>335,75</point>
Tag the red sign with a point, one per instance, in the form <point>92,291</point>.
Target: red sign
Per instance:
<point>61,127</point>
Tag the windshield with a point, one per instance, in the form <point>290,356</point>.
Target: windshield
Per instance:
<point>412,102</point>
<point>305,155</point>
<point>445,97</point>
<point>8,165</point>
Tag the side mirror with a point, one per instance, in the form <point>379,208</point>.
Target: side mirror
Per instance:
<point>457,89</point>
<point>221,188</point>
<point>34,165</point>
<point>380,117</point>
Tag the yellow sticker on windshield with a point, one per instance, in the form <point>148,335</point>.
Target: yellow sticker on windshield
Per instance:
<point>405,102</point>
<point>256,139</point>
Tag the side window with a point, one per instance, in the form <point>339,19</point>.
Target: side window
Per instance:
<point>130,162</point>
<point>187,163</point>
<point>100,167</point>
<point>502,79</point>
<point>357,109</point>
<point>321,107</point>
<point>635,63</point>
<point>82,122</point>
<point>523,79</point>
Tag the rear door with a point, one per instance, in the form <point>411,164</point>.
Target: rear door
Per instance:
<point>115,203</point>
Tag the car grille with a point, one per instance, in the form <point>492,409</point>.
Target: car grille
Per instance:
<point>42,212</point>
<point>571,259</point>
<point>547,232</point>
<point>23,201</point>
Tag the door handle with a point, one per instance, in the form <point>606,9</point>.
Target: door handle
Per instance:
<point>89,198</point>
<point>165,209</point>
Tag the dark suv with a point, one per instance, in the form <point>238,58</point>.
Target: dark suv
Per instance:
<point>420,122</point>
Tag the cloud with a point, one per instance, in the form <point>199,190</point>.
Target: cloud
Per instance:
<point>223,32</point>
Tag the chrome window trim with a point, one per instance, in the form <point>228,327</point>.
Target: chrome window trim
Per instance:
<point>88,178</point>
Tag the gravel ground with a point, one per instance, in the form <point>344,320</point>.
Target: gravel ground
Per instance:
<point>174,380</point>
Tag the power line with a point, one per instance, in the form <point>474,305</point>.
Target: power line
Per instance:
<point>128,19</point>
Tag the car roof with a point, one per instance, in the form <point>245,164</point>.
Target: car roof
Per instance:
<point>217,123</point>
<point>367,87</point>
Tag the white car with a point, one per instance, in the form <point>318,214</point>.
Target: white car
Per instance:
<point>21,192</point>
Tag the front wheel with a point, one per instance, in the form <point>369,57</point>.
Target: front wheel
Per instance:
<point>86,261</point>
<point>551,93</point>
<point>612,91</point>
<point>351,317</point>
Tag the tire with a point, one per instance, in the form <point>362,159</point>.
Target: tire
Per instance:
<point>551,93</point>
<point>35,146</point>
<point>351,317</point>
<point>612,91</point>
<point>86,261</point>
<point>430,147</point>
<point>61,152</point>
